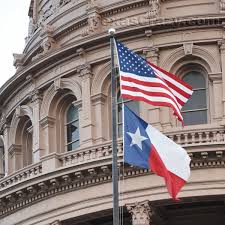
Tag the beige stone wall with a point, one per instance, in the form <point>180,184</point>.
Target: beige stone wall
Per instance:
<point>67,60</point>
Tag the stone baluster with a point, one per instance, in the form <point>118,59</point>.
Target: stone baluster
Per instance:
<point>178,138</point>
<point>141,213</point>
<point>192,138</point>
<point>186,138</point>
<point>200,137</point>
<point>207,136</point>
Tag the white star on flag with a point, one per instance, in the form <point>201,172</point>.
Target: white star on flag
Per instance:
<point>137,138</point>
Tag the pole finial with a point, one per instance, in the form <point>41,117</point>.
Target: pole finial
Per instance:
<point>111,31</point>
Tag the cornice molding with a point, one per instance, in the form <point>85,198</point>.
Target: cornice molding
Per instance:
<point>77,178</point>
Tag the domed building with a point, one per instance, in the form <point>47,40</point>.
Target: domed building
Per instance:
<point>55,118</point>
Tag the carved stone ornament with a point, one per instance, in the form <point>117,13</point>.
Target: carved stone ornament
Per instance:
<point>91,4</point>
<point>141,213</point>
<point>57,222</point>
<point>154,9</point>
<point>94,23</point>
<point>48,44</point>
<point>2,122</point>
<point>188,47</point>
<point>32,27</point>
<point>18,60</point>
<point>64,2</point>
<point>84,70</point>
<point>222,5</point>
<point>221,44</point>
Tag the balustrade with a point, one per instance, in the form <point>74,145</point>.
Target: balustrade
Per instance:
<point>102,152</point>
<point>21,175</point>
<point>190,138</point>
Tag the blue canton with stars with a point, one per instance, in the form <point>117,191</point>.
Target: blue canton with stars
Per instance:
<point>133,154</point>
<point>131,62</point>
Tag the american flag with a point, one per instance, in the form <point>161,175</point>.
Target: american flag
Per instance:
<point>143,81</point>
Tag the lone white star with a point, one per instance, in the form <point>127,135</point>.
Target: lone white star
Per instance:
<point>137,138</point>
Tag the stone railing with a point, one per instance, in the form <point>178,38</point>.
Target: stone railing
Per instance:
<point>21,175</point>
<point>91,154</point>
<point>103,153</point>
<point>198,137</point>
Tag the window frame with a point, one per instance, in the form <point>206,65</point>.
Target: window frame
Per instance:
<point>66,128</point>
<point>204,73</point>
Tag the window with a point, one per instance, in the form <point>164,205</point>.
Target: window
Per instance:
<point>72,128</point>
<point>195,110</point>
<point>133,105</point>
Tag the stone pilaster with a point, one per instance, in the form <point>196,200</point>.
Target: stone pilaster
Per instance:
<point>4,129</point>
<point>37,149</point>
<point>101,133</point>
<point>152,55</point>
<point>222,6</point>
<point>15,158</point>
<point>86,126</point>
<point>141,213</point>
<point>221,44</point>
<point>48,134</point>
<point>217,108</point>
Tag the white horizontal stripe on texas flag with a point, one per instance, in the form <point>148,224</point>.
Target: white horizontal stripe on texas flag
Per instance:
<point>174,157</point>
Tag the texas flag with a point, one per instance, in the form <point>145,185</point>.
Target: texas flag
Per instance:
<point>146,147</point>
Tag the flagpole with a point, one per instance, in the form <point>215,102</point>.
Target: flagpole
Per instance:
<point>114,132</point>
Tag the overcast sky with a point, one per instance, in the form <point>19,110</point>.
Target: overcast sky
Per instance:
<point>13,30</point>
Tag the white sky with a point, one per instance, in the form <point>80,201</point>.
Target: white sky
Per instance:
<point>13,30</point>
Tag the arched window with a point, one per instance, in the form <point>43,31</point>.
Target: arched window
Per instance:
<point>72,128</point>
<point>27,142</point>
<point>195,110</point>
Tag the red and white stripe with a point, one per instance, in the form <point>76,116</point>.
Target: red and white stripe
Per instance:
<point>164,90</point>
<point>168,160</point>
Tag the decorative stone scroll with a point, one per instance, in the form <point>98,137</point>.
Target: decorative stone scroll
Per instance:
<point>188,47</point>
<point>18,60</point>
<point>94,18</point>
<point>48,42</point>
<point>154,9</point>
<point>141,213</point>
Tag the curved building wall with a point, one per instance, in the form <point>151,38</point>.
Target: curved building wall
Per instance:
<point>55,146</point>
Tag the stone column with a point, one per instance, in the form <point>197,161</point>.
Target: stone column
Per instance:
<point>48,134</point>
<point>36,101</point>
<point>35,11</point>
<point>101,133</point>
<point>152,54</point>
<point>86,125</point>
<point>15,157</point>
<point>141,213</point>
<point>222,55</point>
<point>217,88</point>
<point>5,133</point>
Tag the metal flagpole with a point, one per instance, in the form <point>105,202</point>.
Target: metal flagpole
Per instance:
<point>114,132</point>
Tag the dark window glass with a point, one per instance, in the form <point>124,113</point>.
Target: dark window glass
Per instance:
<point>195,117</point>
<point>195,110</point>
<point>72,128</point>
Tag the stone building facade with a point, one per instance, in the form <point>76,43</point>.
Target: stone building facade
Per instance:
<point>55,145</point>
